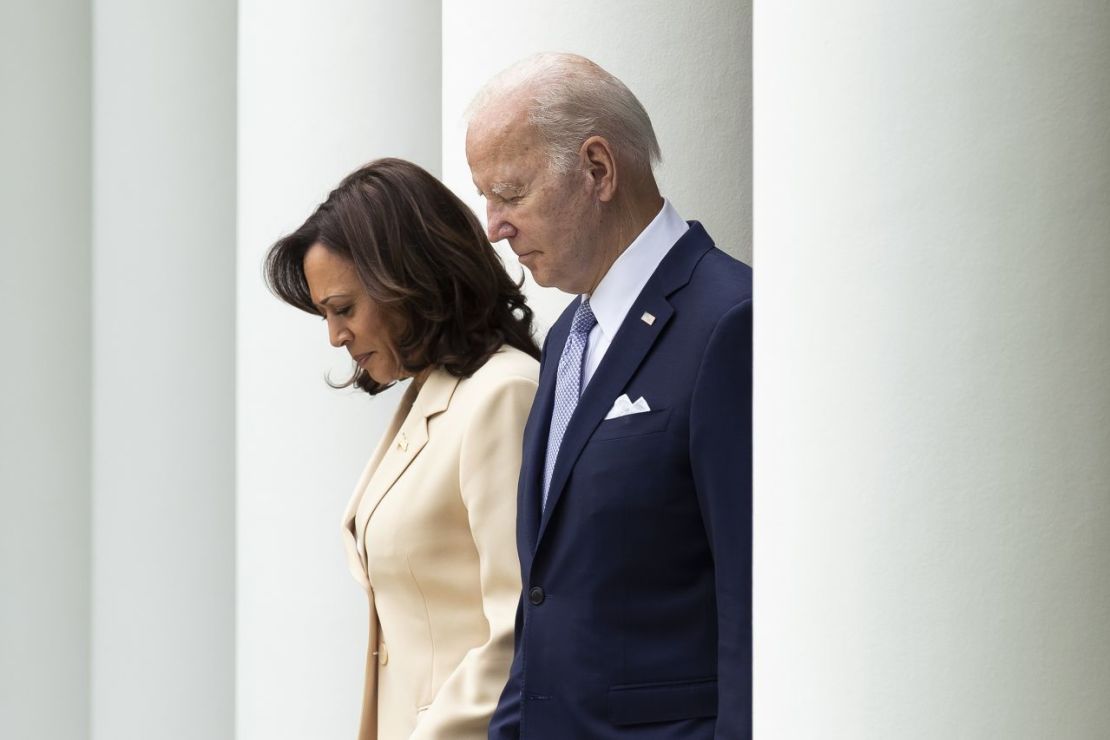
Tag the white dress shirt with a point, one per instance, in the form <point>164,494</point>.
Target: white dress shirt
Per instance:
<point>622,284</point>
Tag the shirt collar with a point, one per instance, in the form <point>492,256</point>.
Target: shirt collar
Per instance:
<point>622,284</point>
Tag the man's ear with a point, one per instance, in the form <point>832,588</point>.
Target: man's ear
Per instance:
<point>601,167</point>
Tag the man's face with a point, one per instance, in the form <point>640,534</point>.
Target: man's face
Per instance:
<point>548,219</point>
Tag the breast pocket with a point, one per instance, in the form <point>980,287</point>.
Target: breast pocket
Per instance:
<point>632,425</point>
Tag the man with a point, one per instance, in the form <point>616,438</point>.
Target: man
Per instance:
<point>634,518</point>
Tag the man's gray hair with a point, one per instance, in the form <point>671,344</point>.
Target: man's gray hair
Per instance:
<point>569,99</point>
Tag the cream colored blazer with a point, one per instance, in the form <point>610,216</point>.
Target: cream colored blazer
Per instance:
<point>430,534</point>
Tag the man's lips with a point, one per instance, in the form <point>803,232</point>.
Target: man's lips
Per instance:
<point>520,252</point>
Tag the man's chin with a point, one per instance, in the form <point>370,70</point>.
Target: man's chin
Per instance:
<point>539,275</point>
<point>545,279</point>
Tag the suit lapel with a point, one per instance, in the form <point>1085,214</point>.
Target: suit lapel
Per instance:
<point>628,349</point>
<point>403,447</point>
<point>535,433</point>
<point>626,352</point>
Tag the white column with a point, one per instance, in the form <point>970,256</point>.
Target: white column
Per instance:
<point>163,370</point>
<point>323,88</point>
<point>45,152</point>
<point>688,63</point>
<point>932,355</point>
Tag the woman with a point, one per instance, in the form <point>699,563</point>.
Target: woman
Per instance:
<point>401,271</point>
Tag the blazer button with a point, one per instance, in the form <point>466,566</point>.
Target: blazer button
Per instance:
<point>535,595</point>
<point>383,654</point>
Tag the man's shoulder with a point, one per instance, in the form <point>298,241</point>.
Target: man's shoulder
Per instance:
<point>706,275</point>
<point>718,283</point>
<point>724,274</point>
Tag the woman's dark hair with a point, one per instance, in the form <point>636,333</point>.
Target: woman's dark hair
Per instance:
<point>423,258</point>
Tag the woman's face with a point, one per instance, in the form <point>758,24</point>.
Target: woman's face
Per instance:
<point>354,320</point>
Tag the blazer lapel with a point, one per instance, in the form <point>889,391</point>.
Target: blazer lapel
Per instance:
<point>627,351</point>
<point>401,449</point>
<point>356,557</point>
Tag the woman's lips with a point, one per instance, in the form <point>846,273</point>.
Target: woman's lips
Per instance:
<point>361,359</point>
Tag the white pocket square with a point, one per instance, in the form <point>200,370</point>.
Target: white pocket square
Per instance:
<point>623,406</point>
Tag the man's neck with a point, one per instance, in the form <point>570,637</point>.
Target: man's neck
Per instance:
<point>628,222</point>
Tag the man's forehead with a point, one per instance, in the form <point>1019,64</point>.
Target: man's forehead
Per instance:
<point>503,159</point>
<point>499,127</point>
<point>503,114</point>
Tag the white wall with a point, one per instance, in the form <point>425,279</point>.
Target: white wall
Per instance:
<point>688,63</point>
<point>323,88</point>
<point>44,387</point>
<point>932,353</point>
<point>163,369</point>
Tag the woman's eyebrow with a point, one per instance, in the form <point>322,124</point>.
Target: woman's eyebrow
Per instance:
<point>324,302</point>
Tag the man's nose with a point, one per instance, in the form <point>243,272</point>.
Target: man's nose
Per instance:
<point>497,227</point>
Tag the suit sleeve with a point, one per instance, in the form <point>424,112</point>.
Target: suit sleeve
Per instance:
<point>721,457</point>
<point>505,723</point>
<point>489,466</point>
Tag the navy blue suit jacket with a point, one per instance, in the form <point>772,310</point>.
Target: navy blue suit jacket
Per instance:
<point>635,617</point>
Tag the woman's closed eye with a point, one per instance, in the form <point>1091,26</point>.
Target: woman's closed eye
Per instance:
<point>345,311</point>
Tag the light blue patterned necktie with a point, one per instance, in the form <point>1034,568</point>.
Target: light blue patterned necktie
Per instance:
<point>568,385</point>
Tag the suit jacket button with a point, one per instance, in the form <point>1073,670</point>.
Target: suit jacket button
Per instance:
<point>383,654</point>
<point>535,595</point>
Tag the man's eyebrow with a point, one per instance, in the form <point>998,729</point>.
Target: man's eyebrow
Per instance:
<point>500,188</point>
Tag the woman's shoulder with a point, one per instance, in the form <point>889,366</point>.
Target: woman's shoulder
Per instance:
<point>506,365</point>
<point>507,374</point>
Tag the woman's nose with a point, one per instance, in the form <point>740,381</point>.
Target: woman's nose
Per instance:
<point>338,334</point>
